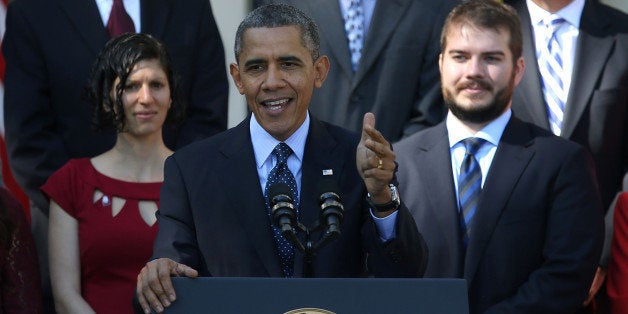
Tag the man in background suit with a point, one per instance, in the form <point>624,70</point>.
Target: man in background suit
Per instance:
<point>519,217</point>
<point>50,46</point>
<point>213,219</point>
<point>395,76</point>
<point>594,48</point>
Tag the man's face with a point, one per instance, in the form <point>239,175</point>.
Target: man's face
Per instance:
<point>276,75</point>
<point>477,73</point>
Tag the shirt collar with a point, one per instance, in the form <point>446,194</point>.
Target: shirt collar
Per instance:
<point>264,143</point>
<point>571,13</point>
<point>492,132</point>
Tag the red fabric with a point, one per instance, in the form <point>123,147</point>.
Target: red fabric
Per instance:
<point>112,249</point>
<point>20,291</point>
<point>617,281</point>
<point>119,20</point>
<point>7,176</point>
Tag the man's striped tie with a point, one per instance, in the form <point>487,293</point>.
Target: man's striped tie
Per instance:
<point>469,186</point>
<point>551,68</point>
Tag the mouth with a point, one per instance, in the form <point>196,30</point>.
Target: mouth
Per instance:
<point>475,87</point>
<point>274,105</point>
<point>144,115</point>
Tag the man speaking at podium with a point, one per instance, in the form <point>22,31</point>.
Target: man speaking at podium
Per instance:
<point>215,217</point>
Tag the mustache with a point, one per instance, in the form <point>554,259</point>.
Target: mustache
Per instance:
<point>474,83</point>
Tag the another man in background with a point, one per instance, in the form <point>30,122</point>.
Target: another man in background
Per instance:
<point>383,57</point>
<point>504,204</point>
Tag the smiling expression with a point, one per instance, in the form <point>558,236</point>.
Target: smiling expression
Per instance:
<point>276,74</point>
<point>478,74</point>
<point>145,98</point>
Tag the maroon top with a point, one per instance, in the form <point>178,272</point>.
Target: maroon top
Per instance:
<point>20,290</point>
<point>113,249</point>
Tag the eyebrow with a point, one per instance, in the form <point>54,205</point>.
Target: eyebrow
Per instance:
<point>495,52</point>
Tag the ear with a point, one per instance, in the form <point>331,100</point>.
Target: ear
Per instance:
<point>235,75</point>
<point>519,69</point>
<point>440,63</point>
<point>321,67</point>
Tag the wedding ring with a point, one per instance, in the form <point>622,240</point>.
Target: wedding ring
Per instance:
<point>379,164</point>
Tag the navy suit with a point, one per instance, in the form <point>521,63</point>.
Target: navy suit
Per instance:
<point>596,112</point>
<point>537,232</point>
<point>212,215</point>
<point>50,46</point>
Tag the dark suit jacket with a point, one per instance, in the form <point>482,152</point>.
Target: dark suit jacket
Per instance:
<point>596,114</point>
<point>212,215</point>
<point>397,78</point>
<point>537,232</point>
<point>50,46</point>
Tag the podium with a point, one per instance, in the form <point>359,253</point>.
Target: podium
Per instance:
<point>228,295</point>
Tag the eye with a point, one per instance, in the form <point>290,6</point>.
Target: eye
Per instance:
<point>131,87</point>
<point>255,68</point>
<point>459,57</point>
<point>289,64</point>
<point>157,85</point>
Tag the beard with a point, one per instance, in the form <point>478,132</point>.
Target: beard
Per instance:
<point>480,113</point>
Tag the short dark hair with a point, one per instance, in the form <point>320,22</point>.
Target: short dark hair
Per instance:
<point>116,60</point>
<point>278,15</point>
<point>486,14</point>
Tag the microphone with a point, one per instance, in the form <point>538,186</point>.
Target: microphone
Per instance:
<point>283,212</point>
<point>331,209</point>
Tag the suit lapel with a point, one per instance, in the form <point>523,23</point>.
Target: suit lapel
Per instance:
<point>154,16</point>
<point>386,17</point>
<point>320,154</point>
<point>243,178</point>
<point>512,157</point>
<point>530,87</point>
<point>593,49</point>
<point>435,154</point>
<point>331,23</point>
<point>87,22</point>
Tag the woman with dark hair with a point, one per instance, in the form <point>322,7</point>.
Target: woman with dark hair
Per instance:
<point>19,273</point>
<point>102,209</point>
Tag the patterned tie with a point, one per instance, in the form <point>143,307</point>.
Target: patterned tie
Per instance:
<point>281,174</point>
<point>119,21</point>
<point>354,27</point>
<point>551,68</point>
<point>469,186</point>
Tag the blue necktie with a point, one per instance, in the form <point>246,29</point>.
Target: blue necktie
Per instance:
<point>551,68</point>
<point>281,174</point>
<point>354,28</point>
<point>469,186</point>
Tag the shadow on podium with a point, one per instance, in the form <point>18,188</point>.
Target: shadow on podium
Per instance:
<point>230,295</point>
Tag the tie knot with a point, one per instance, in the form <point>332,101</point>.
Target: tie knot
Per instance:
<point>553,23</point>
<point>282,151</point>
<point>473,144</point>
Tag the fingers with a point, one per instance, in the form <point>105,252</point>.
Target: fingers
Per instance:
<point>154,285</point>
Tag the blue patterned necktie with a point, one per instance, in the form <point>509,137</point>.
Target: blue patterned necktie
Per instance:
<point>354,28</point>
<point>469,186</point>
<point>281,174</point>
<point>119,20</point>
<point>551,68</point>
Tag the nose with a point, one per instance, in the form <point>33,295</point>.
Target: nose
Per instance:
<point>475,68</point>
<point>144,95</point>
<point>274,79</point>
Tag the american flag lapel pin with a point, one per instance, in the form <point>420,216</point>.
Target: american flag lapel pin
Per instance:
<point>328,172</point>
